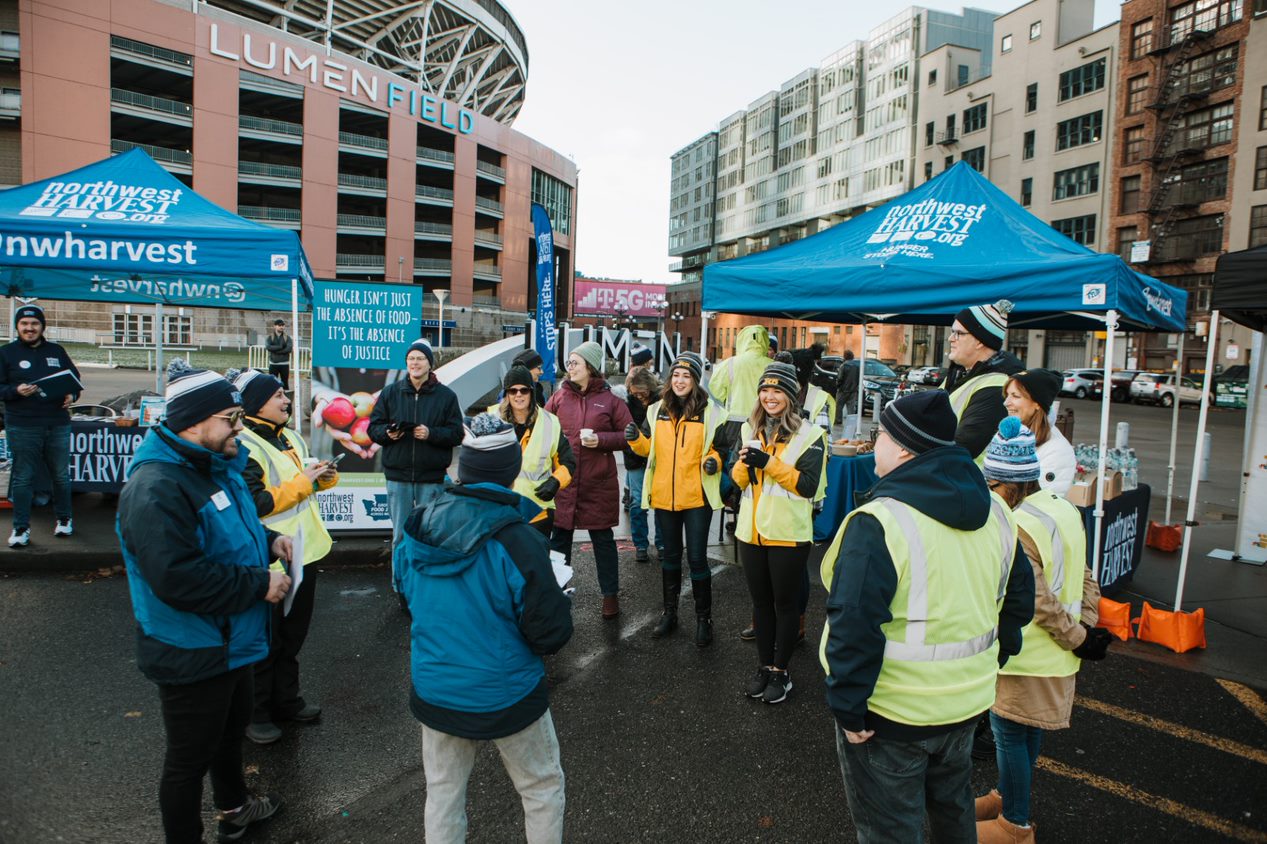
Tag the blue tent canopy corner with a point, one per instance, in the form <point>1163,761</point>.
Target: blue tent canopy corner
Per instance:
<point>955,241</point>
<point>124,230</point>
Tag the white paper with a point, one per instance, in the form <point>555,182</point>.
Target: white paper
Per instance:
<point>296,570</point>
<point>562,571</point>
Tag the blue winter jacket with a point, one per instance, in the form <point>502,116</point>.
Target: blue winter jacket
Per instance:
<point>197,560</point>
<point>486,606</point>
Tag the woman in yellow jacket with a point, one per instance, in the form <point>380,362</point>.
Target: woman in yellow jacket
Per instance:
<point>780,467</point>
<point>1036,687</point>
<point>548,463</point>
<point>683,486</point>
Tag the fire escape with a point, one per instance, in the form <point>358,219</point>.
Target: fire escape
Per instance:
<point>1177,94</point>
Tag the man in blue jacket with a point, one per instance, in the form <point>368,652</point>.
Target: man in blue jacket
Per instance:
<point>479,583</point>
<point>198,571</point>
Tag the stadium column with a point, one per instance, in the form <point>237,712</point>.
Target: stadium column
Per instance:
<point>319,202</point>
<point>216,131</point>
<point>464,149</point>
<point>402,175</point>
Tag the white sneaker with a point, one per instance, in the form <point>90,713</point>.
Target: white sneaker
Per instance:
<point>20,538</point>
<point>65,527</point>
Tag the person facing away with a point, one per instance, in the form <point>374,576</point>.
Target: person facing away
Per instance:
<point>198,559</point>
<point>1036,687</point>
<point>847,386</point>
<point>977,372</point>
<point>37,424</point>
<point>928,591</point>
<point>548,462</point>
<point>284,488</point>
<point>279,346</point>
<point>486,608</point>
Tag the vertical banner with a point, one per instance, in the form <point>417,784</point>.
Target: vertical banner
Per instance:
<point>547,332</point>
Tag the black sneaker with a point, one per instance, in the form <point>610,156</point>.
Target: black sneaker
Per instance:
<point>748,634</point>
<point>232,825</point>
<point>641,556</point>
<point>757,684</point>
<point>777,688</point>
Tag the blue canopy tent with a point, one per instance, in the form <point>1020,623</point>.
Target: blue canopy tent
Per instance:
<point>124,230</point>
<point>955,241</point>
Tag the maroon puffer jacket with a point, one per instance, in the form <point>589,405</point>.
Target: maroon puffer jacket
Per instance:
<point>592,500</point>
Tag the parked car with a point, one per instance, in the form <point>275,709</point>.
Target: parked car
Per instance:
<point>1231,387</point>
<point>927,375</point>
<point>1159,388</point>
<point>878,379</point>
<point>1121,389</point>
<point>1082,383</point>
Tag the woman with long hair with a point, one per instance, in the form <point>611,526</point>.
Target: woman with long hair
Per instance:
<point>594,421</point>
<point>781,464</point>
<point>548,464</point>
<point>683,487</point>
<point>1028,395</point>
<point>1036,687</point>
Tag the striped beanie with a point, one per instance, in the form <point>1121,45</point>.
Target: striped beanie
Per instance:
<point>490,452</point>
<point>421,345</point>
<point>195,394</point>
<point>1012,456</point>
<point>640,354</point>
<point>691,362</point>
<point>782,376</point>
<point>921,421</point>
<point>988,323</point>
<point>256,388</point>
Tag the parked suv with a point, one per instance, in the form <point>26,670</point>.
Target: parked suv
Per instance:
<point>877,379</point>
<point>1159,388</point>
<point>1082,383</point>
<point>1121,389</point>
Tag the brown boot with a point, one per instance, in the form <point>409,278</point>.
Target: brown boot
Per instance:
<point>611,606</point>
<point>990,806</point>
<point>1002,831</point>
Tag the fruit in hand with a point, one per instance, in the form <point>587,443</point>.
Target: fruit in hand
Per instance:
<point>360,431</point>
<point>339,412</point>
<point>363,402</point>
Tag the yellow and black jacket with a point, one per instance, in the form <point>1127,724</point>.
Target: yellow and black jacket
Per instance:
<point>675,452</point>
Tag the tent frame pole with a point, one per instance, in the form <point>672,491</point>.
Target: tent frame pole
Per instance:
<point>862,379</point>
<point>158,347</point>
<point>1190,523</point>
<point>1110,329</point>
<point>1174,428</point>
<point>297,400</point>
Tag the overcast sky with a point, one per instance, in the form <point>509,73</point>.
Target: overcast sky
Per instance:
<point>620,87</point>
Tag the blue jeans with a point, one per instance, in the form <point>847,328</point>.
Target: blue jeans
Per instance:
<point>30,447</point>
<point>1016,748</point>
<point>637,516</point>
<point>891,784</point>
<point>402,499</point>
<point>670,525</point>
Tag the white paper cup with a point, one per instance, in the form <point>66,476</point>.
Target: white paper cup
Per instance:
<point>755,445</point>
<point>587,433</point>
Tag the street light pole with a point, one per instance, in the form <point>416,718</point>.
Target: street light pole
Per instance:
<point>440,295</point>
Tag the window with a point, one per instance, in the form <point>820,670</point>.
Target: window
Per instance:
<point>975,158</point>
<point>1035,30</point>
<point>948,162</point>
<point>928,133</point>
<point>1192,238</point>
<point>1078,229</point>
<point>974,118</point>
<point>1204,74</point>
<point>932,77</point>
<point>1077,181</point>
<point>556,197</point>
<point>963,75</point>
<point>1205,15</point>
<point>1133,142</point>
<point>1027,192</point>
<point>1130,195</point>
<point>1027,146</point>
<point>1206,128</point>
<point>1262,110</point>
<point>1085,129</point>
<point>1136,93</point>
<point>1082,80</point>
<point>1141,38</point>
<point>1201,182</point>
<point>1005,44</point>
<point>133,329</point>
<point>950,127</point>
<point>1031,97</point>
<point>1260,169</point>
<point>1258,225</point>
<point>928,170</point>
<point>1199,287</point>
<point>1126,237</point>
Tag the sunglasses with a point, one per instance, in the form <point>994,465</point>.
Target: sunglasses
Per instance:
<point>518,391</point>
<point>233,417</point>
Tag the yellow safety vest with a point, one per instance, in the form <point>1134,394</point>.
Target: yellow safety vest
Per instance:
<point>714,416</point>
<point>781,516</point>
<point>1056,527</point>
<point>941,650</point>
<point>960,397</point>
<point>538,457</point>
<point>278,469</point>
<point>816,400</point>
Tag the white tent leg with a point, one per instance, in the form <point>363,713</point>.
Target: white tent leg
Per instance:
<point>1189,523</point>
<point>1110,329</point>
<point>296,383</point>
<point>1174,431</point>
<point>158,348</point>
<point>862,377</point>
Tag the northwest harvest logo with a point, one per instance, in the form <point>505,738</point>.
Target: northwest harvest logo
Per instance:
<point>929,221</point>
<point>106,200</point>
<point>1157,301</point>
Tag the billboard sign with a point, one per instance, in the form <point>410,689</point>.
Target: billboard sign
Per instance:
<point>602,298</point>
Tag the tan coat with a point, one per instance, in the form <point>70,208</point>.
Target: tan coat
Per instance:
<point>1046,702</point>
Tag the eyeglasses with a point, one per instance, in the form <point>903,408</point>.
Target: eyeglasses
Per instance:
<point>233,417</point>
<point>518,391</point>
<point>572,364</point>
<point>955,334</point>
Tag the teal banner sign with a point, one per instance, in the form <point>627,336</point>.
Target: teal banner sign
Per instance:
<point>364,326</point>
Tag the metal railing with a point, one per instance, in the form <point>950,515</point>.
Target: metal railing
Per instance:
<point>488,204</point>
<point>149,51</point>
<point>256,82</point>
<point>486,271</point>
<point>441,265</point>
<point>362,221</point>
<point>490,169</point>
<point>429,154</point>
<point>429,192</point>
<point>171,156</point>
<point>268,124</point>
<point>349,259</point>
<point>488,237</point>
<point>268,214</point>
<point>149,103</point>
<point>351,139</point>
<point>427,227</point>
<point>272,171</point>
<point>354,180</point>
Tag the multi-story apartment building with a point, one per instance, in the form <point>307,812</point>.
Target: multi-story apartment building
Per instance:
<point>1031,113</point>
<point>1189,110</point>
<point>691,195</point>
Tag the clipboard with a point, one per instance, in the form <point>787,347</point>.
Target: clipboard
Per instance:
<point>58,385</point>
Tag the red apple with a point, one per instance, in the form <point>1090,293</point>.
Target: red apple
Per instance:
<point>363,402</point>
<point>360,432</point>
<point>339,412</point>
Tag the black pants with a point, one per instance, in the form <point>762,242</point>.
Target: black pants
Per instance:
<point>546,525</point>
<point>280,371</point>
<point>670,525</point>
<point>277,695</point>
<point>774,582</point>
<point>606,559</point>
<point>205,723</point>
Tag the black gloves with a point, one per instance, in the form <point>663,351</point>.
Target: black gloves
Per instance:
<point>1095,646</point>
<point>632,433</point>
<point>756,458</point>
<point>710,466</point>
<point>548,489</point>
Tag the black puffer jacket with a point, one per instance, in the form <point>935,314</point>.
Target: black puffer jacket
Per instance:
<point>408,459</point>
<point>981,418</point>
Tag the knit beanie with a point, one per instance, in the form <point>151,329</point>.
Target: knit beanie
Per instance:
<point>640,354</point>
<point>490,452</point>
<point>529,359</point>
<point>256,388</point>
<point>194,394</point>
<point>781,376</point>
<point>1012,456</point>
<point>591,353</point>
<point>692,363</point>
<point>921,421</point>
<point>783,357</point>
<point>518,376</point>
<point>421,345</point>
<point>774,341</point>
<point>1043,385</point>
<point>29,312</point>
<point>988,323</point>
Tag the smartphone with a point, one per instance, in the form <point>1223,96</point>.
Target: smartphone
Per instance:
<point>335,461</point>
